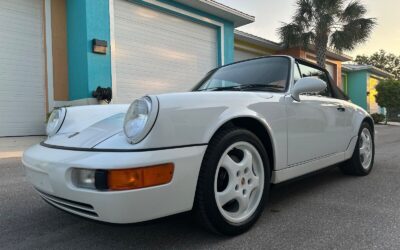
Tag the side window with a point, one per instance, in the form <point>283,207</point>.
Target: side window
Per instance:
<point>297,74</point>
<point>307,71</point>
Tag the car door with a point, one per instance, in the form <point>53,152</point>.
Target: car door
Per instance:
<point>316,124</point>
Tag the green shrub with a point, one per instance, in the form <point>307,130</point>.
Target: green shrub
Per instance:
<point>378,118</point>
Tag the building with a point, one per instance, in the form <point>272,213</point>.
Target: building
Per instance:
<point>359,83</point>
<point>249,46</point>
<point>48,57</point>
<point>57,52</point>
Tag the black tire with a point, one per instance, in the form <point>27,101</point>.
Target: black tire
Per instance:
<point>354,166</point>
<point>205,205</point>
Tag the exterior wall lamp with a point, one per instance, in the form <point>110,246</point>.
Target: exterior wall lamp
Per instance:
<point>99,46</point>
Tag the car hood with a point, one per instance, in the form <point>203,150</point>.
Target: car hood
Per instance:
<point>183,119</point>
<point>92,135</point>
<point>87,126</point>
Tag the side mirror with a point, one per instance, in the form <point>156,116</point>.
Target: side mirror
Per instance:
<point>307,85</point>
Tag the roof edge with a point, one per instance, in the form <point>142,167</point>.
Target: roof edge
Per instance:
<point>333,54</point>
<point>369,68</point>
<point>268,44</point>
<point>262,42</point>
<point>220,10</point>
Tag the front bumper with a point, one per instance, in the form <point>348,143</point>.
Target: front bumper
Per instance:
<point>49,170</point>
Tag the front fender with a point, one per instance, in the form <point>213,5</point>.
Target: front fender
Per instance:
<point>187,119</point>
<point>190,119</point>
<point>358,117</point>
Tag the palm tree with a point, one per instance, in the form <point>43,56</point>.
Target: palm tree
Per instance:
<point>324,23</point>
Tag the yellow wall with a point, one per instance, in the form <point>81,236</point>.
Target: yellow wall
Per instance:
<point>372,105</point>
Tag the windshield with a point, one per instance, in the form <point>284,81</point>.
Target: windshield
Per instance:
<point>263,74</point>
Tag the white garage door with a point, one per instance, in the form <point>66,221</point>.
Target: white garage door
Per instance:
<point>244,55</point>
<point>331,69</point>
<point>157,52</point>
<point>22,75</point>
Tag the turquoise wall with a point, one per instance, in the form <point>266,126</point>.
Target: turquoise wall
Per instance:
<point>357,87</point>
<point>86,20</point>
<point>89,19</point>
<point>98,23</point>
<point>229,42</point>
<point>77,49</point>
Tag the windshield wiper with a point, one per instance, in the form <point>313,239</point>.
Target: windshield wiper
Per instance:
<point>262,86</point>
<point>246,87</point>
<point>233,88</point>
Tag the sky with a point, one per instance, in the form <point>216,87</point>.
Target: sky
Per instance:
<point>270,14</point>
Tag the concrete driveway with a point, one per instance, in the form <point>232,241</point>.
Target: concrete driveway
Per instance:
<point>324,211</point>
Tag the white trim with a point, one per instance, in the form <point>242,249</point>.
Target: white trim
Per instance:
<point>79,102</point>
<point>256,40</point>
<point>228,9</point>
<point>113,50</point>
<point>49,55</point>
<point>168,7</point>
<point>238,18</point>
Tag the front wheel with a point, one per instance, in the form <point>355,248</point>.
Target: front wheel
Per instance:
<point>362,161</point>
<point>233,183</point>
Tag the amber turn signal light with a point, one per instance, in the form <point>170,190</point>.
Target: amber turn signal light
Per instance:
<point>127,179</point>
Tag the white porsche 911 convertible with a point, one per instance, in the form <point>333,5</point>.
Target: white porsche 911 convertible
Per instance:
<point>215,150</point>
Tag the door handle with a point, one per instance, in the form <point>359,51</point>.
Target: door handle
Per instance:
<point>340,108</point>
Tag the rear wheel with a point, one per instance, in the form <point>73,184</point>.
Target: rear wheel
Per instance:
<point>362,161</point>
<point>233,183</point>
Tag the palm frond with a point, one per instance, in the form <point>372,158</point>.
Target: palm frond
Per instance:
<point>354,10</point>
<point>354,32</point>
<point>290,34</point>
<point>304,13</point>
<point>331,7</point>
<point>307,38</point>
<point>340,41</point>
<point>293,35</point>
<point>327,23</point>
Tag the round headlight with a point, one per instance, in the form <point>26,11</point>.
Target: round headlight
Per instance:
<point>55,121</point>
<point>140,118</point>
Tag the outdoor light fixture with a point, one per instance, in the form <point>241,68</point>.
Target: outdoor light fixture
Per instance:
<point>99,46</point>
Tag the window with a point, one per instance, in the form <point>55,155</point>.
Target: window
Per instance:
<point>265,73</point>
<point>297,74</point>
<point>308,71</point>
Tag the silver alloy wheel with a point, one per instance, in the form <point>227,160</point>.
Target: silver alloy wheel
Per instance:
<point>243,185</point>
<point>365,144</point>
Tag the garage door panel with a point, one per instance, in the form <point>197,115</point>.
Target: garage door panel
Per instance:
<point>149,40</point>
<point>21,97</point>
<point>162,57</point>
<point>24,6</point>
<point>150,67</point>
<point>167,37</point>
<point>167,28</point>
<point>22,73</point>
<point>157,52</point>
<point>18,28</point>
<point>137,15</point>
<point>167,40</point>
<point>35,44</point>
<point>126,63</point>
